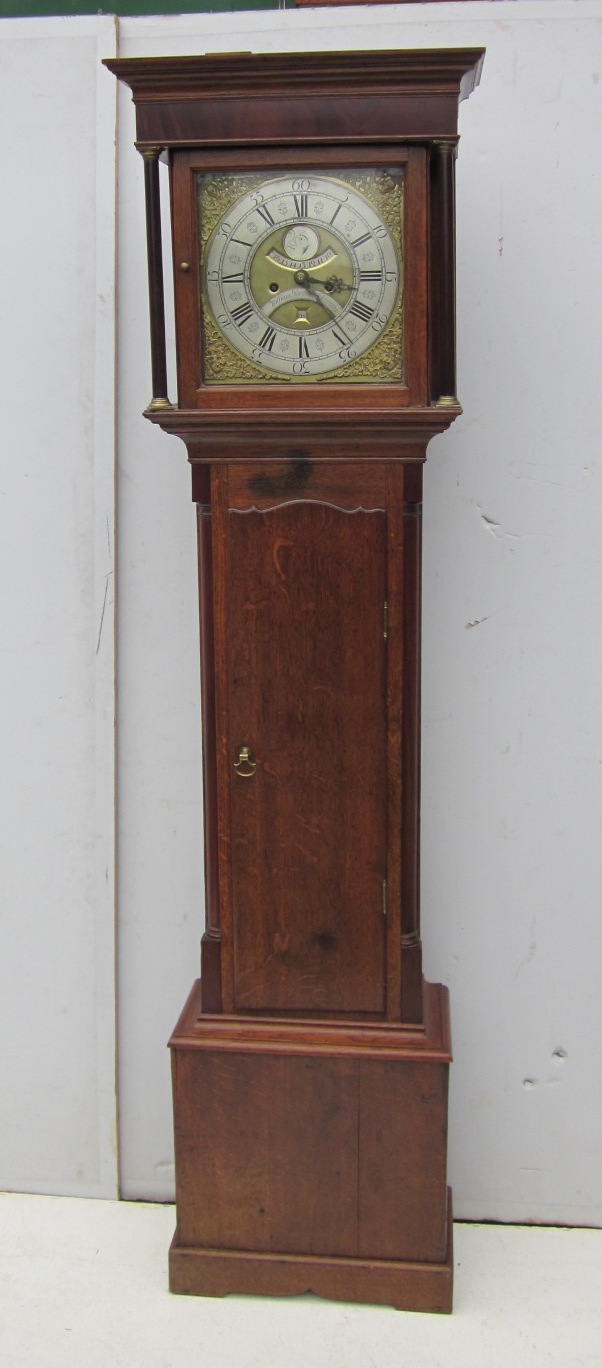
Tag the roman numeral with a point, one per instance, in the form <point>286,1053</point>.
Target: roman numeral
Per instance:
<point>242,243</point>
<point>362,311</point>
<point>342,338</point>
<point>300,205</point>
<point>263,210</point>
<point>358,241</point>
<point>337,211</point>
<point>233,279</point>
<point>370,275</point>
<point>303,349</point>
<point>242,313</point>
<point>268,339</point>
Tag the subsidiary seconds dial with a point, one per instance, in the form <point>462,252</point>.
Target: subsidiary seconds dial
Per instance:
<point>302,276</point>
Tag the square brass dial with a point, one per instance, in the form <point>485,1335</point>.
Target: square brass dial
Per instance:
<point>301,276</point>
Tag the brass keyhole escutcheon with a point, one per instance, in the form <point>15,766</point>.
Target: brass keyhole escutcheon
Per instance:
<point>245,766</point>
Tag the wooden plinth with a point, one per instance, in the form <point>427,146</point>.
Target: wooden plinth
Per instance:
<point>311,1156</point>
<point>404,1285</point>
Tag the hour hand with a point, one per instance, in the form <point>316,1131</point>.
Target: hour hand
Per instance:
<point>334,284</point>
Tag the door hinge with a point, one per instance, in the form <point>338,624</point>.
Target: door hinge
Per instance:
<point>385,620</point>
<point>384,897</point>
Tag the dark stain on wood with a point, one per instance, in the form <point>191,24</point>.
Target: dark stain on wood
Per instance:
<point>293,480</point>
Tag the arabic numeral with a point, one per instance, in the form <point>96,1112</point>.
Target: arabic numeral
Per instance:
<point>225,228</point>
<point>223,320</point>
<point>212,277</point>
<point>257,198</point>
<point>347,353</point>
<point>379,322</point>
<point>390,276</point>
<point>299,185</point>
<point>300,368</point>
<point>380,231</point>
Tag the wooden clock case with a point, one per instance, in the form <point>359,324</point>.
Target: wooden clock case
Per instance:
<point>310,1063</point>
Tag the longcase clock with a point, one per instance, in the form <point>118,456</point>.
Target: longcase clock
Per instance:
<point>312,200</point>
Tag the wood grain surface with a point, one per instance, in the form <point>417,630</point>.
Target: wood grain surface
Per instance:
<point>307,588</point>
<point>312,1152</point>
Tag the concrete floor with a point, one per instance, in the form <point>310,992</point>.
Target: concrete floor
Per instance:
<point>83,1284</point>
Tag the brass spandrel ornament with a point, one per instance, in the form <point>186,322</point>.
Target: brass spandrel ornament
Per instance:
<point>223,365</point>
<point>217,194</point>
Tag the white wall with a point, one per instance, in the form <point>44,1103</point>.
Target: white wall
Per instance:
<point>57,1070</point>
<point>512,773</point>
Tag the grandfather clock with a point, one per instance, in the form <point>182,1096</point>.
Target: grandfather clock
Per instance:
<point>312,200</point>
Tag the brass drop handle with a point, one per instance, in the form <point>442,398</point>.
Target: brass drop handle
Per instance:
<point>245,766</point>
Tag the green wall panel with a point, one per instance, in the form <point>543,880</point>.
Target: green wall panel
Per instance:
<point>12,9</point>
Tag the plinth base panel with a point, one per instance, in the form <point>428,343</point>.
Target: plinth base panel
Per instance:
<point>311,1156</point>
<point>405,1286</point>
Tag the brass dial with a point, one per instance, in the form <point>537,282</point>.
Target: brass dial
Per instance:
<point>302,276</point>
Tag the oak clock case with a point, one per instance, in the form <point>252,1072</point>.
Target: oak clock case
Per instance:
<point>312,203</point>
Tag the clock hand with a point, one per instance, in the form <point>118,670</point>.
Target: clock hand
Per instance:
<point>333,285</point>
